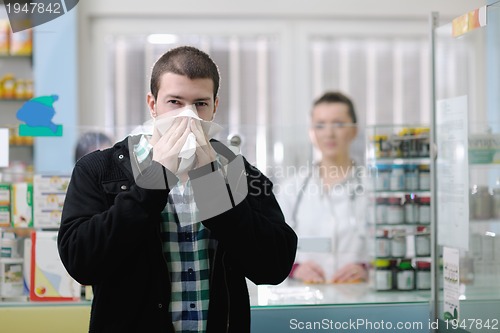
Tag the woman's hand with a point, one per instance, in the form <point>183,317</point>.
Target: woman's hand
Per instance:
<point>350,273</point>
<point>309,272</point>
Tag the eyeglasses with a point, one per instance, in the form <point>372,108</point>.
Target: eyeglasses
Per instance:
<point>334,126</point>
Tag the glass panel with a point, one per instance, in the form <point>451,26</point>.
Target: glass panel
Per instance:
<point>468,72</point>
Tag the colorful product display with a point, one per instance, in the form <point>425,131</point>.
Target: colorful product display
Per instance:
<point>49,280</point>
<point>12,87</point>
<point>38,204</point>
<point>400,201</point>
<point>22,205</point>
<point>34,261</point>
<point>11,277</point>
<point>21,43</point>
<point>4,205</point>
<point>49,192</point>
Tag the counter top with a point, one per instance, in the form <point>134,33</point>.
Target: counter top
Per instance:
<point>292,292</point>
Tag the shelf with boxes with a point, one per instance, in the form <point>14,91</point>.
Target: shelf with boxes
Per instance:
<point>16,87</point>
<point>29,211</point>
<point>400,214</point>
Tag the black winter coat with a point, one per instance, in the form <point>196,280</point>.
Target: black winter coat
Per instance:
<point>110,238</point>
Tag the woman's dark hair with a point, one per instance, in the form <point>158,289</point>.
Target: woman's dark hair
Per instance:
<point>337,97</point>
<point>91,141</point>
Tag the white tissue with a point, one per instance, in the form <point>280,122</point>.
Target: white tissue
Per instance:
<point>187,153</point>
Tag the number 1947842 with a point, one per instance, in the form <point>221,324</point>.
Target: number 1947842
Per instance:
<point>33,8</point>
<point>472,324</point>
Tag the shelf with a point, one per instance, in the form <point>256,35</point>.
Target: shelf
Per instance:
<point>400,224</point>
<point>402,258</point>
<point>486,166</point>
<point>398,160</point>
<point>12,146</point>
<point>14,100</point>
<point>401,192</point>
<point>491,220</point>
<point>8,56</point>
<point>409,137</point>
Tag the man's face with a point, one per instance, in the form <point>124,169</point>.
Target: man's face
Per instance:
<point>177,91</point>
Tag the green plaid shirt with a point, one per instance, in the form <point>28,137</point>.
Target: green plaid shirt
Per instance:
<point>186,245</point>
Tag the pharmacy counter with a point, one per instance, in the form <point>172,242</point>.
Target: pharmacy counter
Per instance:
<point>289,307</point>
<point>292,307</point>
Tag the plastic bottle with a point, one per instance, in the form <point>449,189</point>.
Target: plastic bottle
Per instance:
<point>406,275</point>
<point>380,145</point>
<point>398,243</point>
<point>411,177</point>
<point>423,141</point>
<point>395,211</point>
<point>424,177</point>
<point>405,135</point>
<point>411,208</point>
<point>397,178</point>
<point>382,243</point>
<point>482,202</point>
<point>383,177</point>
<point>496,202</point>
<point>422,242</point>
<point>383,275</point>
<point>423,275</point>
<point>381,210</point>
<point>8,86</point>
<point>424,210</point>
<point>20,91</point>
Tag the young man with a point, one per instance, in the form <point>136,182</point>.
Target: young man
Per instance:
<point>169,250</point>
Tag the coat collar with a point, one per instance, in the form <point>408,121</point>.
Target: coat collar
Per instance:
<point>121,152</point>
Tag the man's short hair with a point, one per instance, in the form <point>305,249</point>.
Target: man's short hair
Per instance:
<point>188,61</point>
<point>337,97</point>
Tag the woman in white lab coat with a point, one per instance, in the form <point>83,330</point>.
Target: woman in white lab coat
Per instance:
<point>325,204</point>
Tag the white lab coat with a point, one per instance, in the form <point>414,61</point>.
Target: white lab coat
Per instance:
<point>338,215</point>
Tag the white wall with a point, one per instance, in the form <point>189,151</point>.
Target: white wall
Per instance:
<point>285,11</point>
<point>282,9</point>
<point>355,13</point>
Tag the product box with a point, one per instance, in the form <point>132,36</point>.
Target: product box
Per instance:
<point>4,36</point>
<point>27,265</point>
<point>21,206</point>
<point>11,277</point>
<point>49,280</point>
<point>21,43</point>
<point>4,205</point>
<point>4,194</point>
<point>52,183</point>
<point>4,216</point>
<point>49,195</point>
<point>484,149</point>
<point>9,248</point>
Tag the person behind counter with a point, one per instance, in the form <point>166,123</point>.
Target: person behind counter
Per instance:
<point>325,205</point>
<point>91,141</point>
<point>165,255</point>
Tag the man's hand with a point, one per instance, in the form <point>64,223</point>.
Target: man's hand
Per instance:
<point>166,147</point>
<point>309,272</point>
<point>204,151</point>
